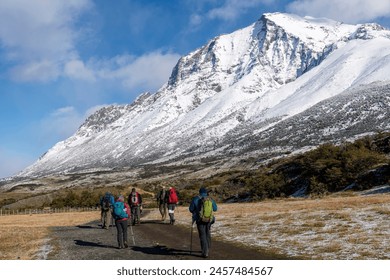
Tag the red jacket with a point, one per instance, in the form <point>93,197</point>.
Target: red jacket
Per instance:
<point>139,198</point>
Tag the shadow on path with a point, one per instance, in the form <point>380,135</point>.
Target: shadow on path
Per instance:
<point>91,244</point>
<point>86,227</point>
<point>155,222</point>
<point>164,251</point>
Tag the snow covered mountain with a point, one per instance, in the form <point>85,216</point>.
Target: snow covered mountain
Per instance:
<point>280,84</point>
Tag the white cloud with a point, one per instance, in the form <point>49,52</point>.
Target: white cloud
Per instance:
<point>63,123</point>
<point>35,34</point>
<point>350,11</point>
<point>42,71</point>
<point>147,72</point>
<point>38,40</point>
<point>77,70</point>
<point>195,20</point>
<point>233,9</point>
<point>57,126</point>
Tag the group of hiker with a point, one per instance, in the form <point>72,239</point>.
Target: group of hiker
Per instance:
<point>120,211</point>
<point>202,208</point>
<point>167,201</point>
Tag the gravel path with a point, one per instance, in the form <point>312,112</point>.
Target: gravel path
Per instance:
<point>154,240</point>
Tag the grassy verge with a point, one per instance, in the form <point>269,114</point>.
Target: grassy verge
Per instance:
<point>21,236</point>
<point>348,227</point>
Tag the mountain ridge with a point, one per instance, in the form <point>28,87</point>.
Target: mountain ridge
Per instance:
<point>255,77</point>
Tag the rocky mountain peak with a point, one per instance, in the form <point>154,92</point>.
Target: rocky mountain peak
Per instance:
<point>232,90</point>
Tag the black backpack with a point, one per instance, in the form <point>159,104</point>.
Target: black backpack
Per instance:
<point>106,203</point>
<point>162,196</point>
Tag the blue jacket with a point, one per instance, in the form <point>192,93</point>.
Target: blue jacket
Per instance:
<point>196,205</point>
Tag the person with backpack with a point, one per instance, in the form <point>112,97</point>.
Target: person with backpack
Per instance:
<point>135,202</point>
<point>121,214</point>
<point>162,199</point>
<point>202,208</point>
<point>106,204</point>
<point>172,201</point>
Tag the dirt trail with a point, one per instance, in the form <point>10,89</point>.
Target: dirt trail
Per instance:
<point>154,240</point>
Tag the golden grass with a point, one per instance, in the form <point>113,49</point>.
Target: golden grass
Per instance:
<point>354,227</point>
<point>309,228</point>
<point>21,236</point>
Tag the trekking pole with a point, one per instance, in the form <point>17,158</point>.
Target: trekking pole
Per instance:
<point>132,233</point>
<point>112,225</point>
<point>192,229</point>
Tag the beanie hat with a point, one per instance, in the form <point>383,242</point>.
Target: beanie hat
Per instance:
<point>202,190</point>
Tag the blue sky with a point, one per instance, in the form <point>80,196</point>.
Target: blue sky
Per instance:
<point>62,60</point>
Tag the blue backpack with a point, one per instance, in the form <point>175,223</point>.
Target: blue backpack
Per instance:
<point>119,211</point>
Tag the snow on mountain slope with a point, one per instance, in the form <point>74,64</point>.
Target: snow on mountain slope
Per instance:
<point>356,63</point>
<point>355,112</point>
<point>277,67</point>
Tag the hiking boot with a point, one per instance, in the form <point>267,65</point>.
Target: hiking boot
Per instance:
<point>126,246</point>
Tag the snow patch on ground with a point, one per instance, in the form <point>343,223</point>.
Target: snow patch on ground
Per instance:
<point>338,229</point>
<point>44,250</point>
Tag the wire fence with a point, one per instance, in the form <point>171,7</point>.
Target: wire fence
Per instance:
<point>46,210</point>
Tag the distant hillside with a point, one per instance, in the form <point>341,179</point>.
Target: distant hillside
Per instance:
<point>356,166</point>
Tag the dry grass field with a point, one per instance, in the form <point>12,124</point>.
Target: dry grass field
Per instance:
<point>346,227</point>
<point>352,227</point>
<point>22,236</point>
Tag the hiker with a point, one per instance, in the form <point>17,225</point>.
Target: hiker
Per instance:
<point>162,199</point>
<point>121,213</point>
<point>106,204</point>
<point>202,208</point>
<point>135,202</point>
<point>172,201</point>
